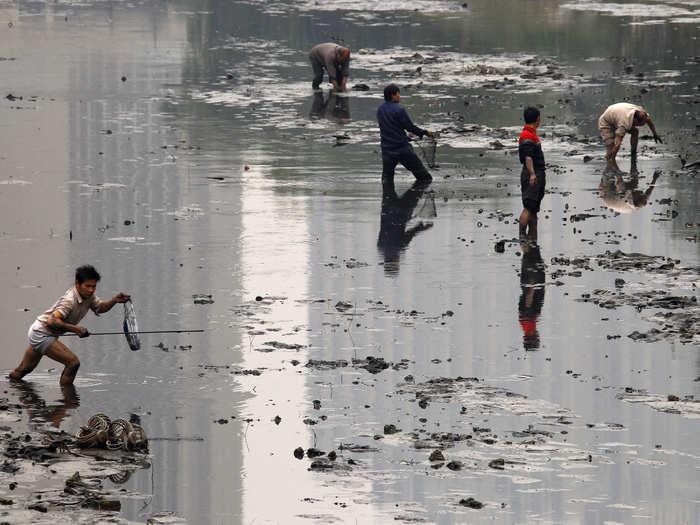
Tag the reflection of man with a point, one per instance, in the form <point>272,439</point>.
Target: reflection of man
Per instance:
<point>395,214</point>
<point>333,108</point>
<point>39,411</point>
<point>532,276</point>
<point>335,60</point>
<point>615,122</point>
<point>393,120</point>
<point>623,196</point>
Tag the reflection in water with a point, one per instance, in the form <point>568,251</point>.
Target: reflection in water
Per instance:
<point>333,107</point>
<point>532,277</point>
<point>121,478</point>
<point>623,196</point>
<point>395,214</point>
<point>38,411</point>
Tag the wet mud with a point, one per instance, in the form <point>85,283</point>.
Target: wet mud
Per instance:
<point>372,353</point>
<point>48,475</point>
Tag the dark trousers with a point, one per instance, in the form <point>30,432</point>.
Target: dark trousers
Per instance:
<point>408,160</point>
<point>319,68</point>
<point>318,73</point>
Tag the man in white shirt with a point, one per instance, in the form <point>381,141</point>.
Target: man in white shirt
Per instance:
<point>63,317</point>
<point>616,121</point>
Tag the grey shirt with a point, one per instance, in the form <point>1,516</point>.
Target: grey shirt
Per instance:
<point>72,307</point>
<point>324,54</point>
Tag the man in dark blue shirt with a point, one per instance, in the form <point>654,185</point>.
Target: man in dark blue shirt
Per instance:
<point>393,120</point>
<point>532,176</point>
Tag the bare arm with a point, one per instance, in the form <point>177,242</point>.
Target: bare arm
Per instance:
<point>106,306</point>
<point>653,129</point>
<point>56,322</point>
<point>531,168</point>
<point>616,146</point>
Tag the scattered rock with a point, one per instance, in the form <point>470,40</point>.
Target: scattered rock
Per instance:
<point>343,306</point>
<point>437,455</point>
<point>202,299</point>
<point>455,465</point>
<point>391,429</point>
<point>471,503</point>
<point>498,464</point>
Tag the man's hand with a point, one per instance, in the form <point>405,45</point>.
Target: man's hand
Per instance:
<point>533,178</point>
<point>657,139</point>
<point>82,332</point>
<point>122,297</point>
<point>429,133</point>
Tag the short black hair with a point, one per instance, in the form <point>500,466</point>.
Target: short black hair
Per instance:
<point>638,117</point>
<point>86,272</point>
<point>530,114</point>
<point>390,91</point>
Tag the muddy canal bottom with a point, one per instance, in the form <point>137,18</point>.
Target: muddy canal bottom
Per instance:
<point>370,355</point>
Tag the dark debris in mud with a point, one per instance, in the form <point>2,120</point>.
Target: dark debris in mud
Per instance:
<point>38,453</point>
<point>471,503</point>
<point>661,294</point>
<point>373,365</point>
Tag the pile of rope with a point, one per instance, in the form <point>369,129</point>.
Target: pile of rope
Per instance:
<point>120,434</point>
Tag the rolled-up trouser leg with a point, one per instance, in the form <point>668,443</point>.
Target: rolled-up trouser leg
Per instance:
<point>411,162</point>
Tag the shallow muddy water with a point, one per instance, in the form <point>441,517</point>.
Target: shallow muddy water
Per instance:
<point>178,147</point>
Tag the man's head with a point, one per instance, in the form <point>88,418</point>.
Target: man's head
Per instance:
<point>86,279</point>
<point>342,54</point>
<point>531,115</point>
<point>639,118</point>
<point>392,93</point>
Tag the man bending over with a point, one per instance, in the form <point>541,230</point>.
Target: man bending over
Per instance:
<point>335,60</point>
<point>615,122</point>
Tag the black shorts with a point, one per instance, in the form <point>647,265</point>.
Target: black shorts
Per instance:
<point>532,193</point>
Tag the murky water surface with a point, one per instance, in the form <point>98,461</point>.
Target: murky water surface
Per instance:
<point>179,148</point>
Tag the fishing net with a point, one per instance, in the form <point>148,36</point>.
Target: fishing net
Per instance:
<point>428,148</point>
<point>130,327</point>
<point>427,209</point>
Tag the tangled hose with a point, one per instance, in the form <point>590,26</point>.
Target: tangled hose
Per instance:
<point>94,434</point>
<point>124,435</point>
<point>120,434</point>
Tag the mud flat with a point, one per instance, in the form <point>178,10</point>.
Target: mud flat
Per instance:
<point>446,374</point>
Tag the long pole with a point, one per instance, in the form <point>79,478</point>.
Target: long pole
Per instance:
<point>142,332</point>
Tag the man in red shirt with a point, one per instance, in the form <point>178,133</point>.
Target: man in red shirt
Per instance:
<point>532,176</point>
